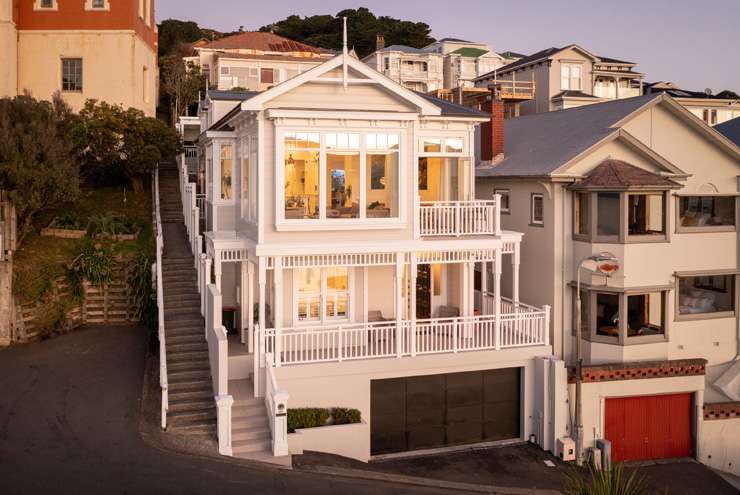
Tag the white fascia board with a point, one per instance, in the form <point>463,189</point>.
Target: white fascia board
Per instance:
<point>339,114</point>
<point>220,134</point>
<point>395,246</point>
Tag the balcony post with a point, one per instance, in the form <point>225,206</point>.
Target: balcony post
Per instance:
<point>497,298</point>
<point>217,270</point>
<point>261,281</point>
<point>250,305</point>
<point>497,214</point>
<point>547,324</point>
<point>412,305</point>
<point>277,311</point>
<point>399,304</point>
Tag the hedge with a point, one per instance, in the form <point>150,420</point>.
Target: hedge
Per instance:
<point>312,417</point>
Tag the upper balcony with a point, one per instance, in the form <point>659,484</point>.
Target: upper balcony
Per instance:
<point>459,218</point>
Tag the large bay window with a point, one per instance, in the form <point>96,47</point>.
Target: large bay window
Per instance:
<point>701,296</point>
<point>322,294</point>
<point>618,216</point>
<point>341,175</point>
<point>706,213</point>
<point>629,316</point>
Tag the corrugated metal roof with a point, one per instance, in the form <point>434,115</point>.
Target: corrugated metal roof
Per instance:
<point>262,41</point>
<point>537,145</point>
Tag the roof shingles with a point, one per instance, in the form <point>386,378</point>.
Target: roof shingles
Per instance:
<point>618,174</point>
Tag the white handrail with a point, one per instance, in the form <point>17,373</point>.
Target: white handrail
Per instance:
<point>276,405</point>
<point>459,218</point>
<point>160,301</point>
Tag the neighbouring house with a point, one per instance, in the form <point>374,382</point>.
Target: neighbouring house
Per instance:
<point>254,60</point>
<point>568,77</point>
<point>644,179</point>
<point>341,234</point>
<point>712,109</point>
<point>66,46</point>
<point>445,64</point>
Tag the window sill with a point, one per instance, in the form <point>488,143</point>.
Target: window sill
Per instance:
<point>539,225</point>
<point>338,224</point>
<point>712,229</point>
<point>646,239</point>
<point>704,316</point>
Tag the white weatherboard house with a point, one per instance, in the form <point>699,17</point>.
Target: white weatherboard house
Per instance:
<point>344,231</point>
<point>644,179</point>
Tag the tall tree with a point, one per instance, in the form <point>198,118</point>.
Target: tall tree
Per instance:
<point>173,33</point>
<point>363,26</point>
<point>38,158</point>
<point>181,81</point>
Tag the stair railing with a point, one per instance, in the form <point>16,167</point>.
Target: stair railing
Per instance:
<point>276,404</point>
<point>160,299</point>
<point>218,357</point>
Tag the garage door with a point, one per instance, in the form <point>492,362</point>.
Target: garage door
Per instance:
<point>431,411</point>
<point>649,427</point>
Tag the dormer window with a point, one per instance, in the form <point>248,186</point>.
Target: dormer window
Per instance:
<point>570,77</point>
<point>45,5</point>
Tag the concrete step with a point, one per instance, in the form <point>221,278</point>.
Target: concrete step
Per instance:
<point>200,355</point>
<point>258,422</point>
<point>186,313</point>
<point>178,323</point>
<point>190,404</point>
<point>197,333</point>
<point>179,276</point>
<point>180,348</point>
<point>248,412</point>
<point>200,417</point>
<point>246,446</point>
<point>199,364</point>
<point>254,433</point>
<point>184,301</point>
<point>180,286</point>
<point>187,375</point>
<point>197,427</point>
<point>204,394</point>
<point>190,385</point>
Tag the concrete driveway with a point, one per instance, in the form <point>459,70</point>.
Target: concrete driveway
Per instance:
<point>69,410</point>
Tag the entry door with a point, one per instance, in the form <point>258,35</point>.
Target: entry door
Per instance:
<point>423,291</point>
<point>649,427</point>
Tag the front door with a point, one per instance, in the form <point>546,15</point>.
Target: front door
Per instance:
<point>423,292</point>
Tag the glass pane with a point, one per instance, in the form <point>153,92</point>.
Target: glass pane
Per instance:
<point>706,211</point>
<point>245,182</point>
<point>301,184</point>
<point>302,140</point>
<point>343,185</point>
<point>645,314</point>
<point>454,145</point>
<point>343,141</point>
<point>337,292</point>
<point>382,185</point>
<point>227,153</point>
<point>645,214</point>
<point>706,294</point>
<point>585,321</point>
<point>537,209</point>
<point>607,315</point>
<point>607,220</point>
<point>581,214</point>
<point>431,145</point>
<point>436,279</point>
<point>309,294</point>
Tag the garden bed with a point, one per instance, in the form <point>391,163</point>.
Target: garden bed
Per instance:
<point>313,417</point>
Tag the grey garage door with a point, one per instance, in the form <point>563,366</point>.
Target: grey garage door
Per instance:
<point>423,412</point>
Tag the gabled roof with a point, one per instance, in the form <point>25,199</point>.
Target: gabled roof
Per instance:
<point>571,93</point>
<point>608,60</point>
<point>544,144</point>
<point>261,41</point>
<point>401,48</point>
<point>618,174</point>
<point>230,95</point>
<point>450,109</point>
<point>730,129</point>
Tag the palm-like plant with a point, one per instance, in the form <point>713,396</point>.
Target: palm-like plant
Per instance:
<point>605,482</point>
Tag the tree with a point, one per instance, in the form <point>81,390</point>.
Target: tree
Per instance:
<point>181,81</point>
<point>124,141</point>
<point>38,157</point>
<point>728,94</point>
<point>173,33</point>
<point>363,26</point>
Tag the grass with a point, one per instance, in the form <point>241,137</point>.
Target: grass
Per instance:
<point>43,258</point>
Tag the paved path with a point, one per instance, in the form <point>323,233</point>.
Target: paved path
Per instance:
<point>69,411</point>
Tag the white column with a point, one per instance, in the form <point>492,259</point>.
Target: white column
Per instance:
<point>412,304</point>
<point>223,421</point>
<point>262,281</point>
<point>515,258</point>
<point>250,305</point>
<point>364,293</point>
<point>277,310</point>
<point>483,283</point>
<point>497,297</point>
<point>217,266</point>
<point>399,304</point>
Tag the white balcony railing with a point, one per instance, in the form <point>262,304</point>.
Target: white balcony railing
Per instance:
<point>459,218</point>
<point>526,326</point>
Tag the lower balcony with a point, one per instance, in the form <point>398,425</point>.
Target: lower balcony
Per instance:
<point>518,325</point>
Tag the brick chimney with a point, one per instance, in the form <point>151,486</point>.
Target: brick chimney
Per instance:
<point>379,42</point>
<point>492,133</point>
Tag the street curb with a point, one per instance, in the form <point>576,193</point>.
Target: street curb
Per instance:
<point>427,482</point>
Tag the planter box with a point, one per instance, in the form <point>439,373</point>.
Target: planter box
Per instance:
<point>63,233</point>
<point>122,237</point>
<point>350,440</point>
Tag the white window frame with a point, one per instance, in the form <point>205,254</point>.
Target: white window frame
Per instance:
<point>37,5</point>
<point>323,223</point>
<point>568,67</point>
<point>532,220</point>
<point>90,5</point>
<point>324,319</point>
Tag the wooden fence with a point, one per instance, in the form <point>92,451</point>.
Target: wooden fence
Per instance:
<point>110,305</point>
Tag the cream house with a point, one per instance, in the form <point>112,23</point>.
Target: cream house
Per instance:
<point>568,77</point>
<point>712,109</point>
<point>343,232</point>
<point>646,180</point>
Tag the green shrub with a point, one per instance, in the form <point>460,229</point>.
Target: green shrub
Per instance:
<point>307,417</point>
<point>37,282</point>
<point>68,220</point>
<point>345,416</point>
<point>112,224</point>
<point>95,264</point>
<point>605,482</point>
<point>143,295</point>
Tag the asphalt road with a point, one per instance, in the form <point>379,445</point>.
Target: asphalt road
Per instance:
<point>69,411</point>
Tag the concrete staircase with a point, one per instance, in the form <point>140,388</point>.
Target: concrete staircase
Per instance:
<point>191,404</point>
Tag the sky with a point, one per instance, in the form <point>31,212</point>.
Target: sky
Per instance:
<point>695,44</point>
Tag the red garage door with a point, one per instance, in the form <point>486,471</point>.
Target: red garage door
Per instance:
<point>649,427</point>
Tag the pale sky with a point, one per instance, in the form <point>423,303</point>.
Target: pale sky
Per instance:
<point>695,44</point>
